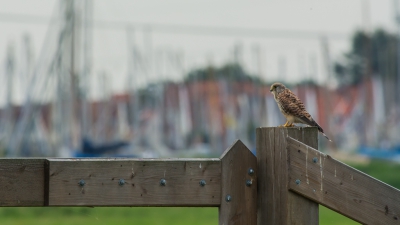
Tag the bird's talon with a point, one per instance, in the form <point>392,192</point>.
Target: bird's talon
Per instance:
<point>288,125</point>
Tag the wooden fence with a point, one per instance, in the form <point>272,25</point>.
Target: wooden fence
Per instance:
<point>282,185</point>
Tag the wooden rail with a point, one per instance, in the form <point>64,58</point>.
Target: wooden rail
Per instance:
<point>282,186</point>
<point>294,177</point>
<point>22,182</point>
<point>229,182</point>
<point>321,178</point>
<point>134,182</point>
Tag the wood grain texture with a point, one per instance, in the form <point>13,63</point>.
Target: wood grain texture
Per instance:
<point>341,187</point>
<point>22,182</point>
<point>236,162</point>
<point>277,205</point>
<point>142,182</point>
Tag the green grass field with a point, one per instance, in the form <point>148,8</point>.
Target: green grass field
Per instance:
<point>382,170</point>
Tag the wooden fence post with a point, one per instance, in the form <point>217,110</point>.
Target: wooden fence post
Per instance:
<point>276,204</point>
<point>238,186</point>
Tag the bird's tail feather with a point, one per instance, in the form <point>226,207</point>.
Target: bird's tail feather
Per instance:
<point>326,136</point>
<point>313,123</point>
<point>321,130</point>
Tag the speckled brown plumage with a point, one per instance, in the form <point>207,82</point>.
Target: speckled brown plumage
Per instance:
<point>292,107</point>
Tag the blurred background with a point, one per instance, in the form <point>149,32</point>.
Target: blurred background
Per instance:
<point>178,78</point>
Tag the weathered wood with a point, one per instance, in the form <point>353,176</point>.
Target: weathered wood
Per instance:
<point>22,182</point>
<point>142,182</point>
<point>341,187</point>
<point>240,185</point>
<point>277,205</point>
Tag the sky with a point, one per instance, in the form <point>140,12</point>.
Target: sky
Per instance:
<point>277,40</point>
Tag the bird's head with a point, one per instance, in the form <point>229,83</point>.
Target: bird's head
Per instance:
<point>277,88</point>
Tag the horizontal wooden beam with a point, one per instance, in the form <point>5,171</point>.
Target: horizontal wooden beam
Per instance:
<point>340,187</point>
<point>22,182</point>
<point>134,182</point>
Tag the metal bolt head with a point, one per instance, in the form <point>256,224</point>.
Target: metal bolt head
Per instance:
<point>82,183</point>
<point>250,171</point>
<point>163,182</point>
<point>228,198</point>
<point>121,182</point>
<point>315,160</point>
<point>298,181</point>
<point>202,183</point>
<point>249,183</point>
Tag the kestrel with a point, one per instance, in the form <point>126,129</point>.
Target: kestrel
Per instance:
<point>292,107</point>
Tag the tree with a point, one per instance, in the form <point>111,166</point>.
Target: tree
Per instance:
<point>371,54</point>
<point>230,72</point>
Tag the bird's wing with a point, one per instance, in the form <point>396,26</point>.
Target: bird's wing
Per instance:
<point>292,105</point>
